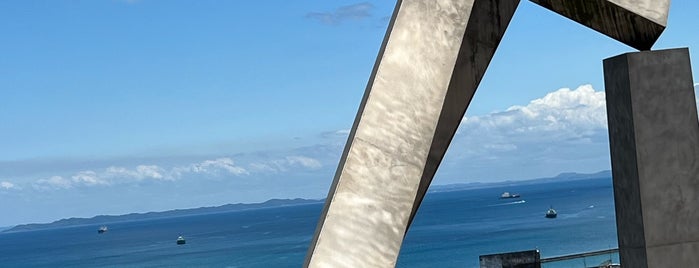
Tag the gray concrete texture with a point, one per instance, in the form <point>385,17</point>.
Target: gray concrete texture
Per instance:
<point>521,259</point>
<point>431,61</point>
<point>654,142</point>
<point>430,64</point>
<point>637,23</point>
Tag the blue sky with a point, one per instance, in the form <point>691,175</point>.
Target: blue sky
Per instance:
<point>116,106</point>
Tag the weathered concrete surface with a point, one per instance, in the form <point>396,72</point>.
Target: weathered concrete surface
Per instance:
<point>637,23</point>
<point>431,61</point>
<point>654,142</point>
<point>521,259</point>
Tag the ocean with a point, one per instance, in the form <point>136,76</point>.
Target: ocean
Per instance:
<point>451,229</point>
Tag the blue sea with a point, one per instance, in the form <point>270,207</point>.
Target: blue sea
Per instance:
<point>451,229</point>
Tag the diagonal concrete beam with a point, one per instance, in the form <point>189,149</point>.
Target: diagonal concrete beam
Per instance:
<point>486,27</point>
<point>637,23</point>
<point>431,62</point>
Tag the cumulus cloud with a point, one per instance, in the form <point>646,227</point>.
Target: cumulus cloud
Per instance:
<point>7,185</point>
<point>151,172</point>
<point>357,11</point>
<point>563,112</point>
<point>217,166</point>
<point>563,130</point>
<point>54,182</point>
<point>106,177</point>
<point>286,164</point>
<point>141,172</point>
<point>89,178</point>
<point>115,175</point>
<point>226,164</point>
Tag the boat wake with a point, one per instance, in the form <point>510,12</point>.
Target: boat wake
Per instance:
<point>509,203</point>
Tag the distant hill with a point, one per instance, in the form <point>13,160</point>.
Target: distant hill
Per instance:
<point>570,176</point>
<point>104,219</point>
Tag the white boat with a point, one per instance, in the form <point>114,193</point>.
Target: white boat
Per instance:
<point>508,195</point>
<point>102,229</point>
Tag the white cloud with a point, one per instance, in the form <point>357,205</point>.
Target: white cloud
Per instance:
<point>565,130</point>
<point>119,172</point>
<point>89,178</point>
<point>303,161</point>
<point>286,164</point>
<point>225,164</point>
<point>214,167</point>
<point>571,111</point>
<point>110,176</point>
<point>121,175</point>
<point>7,185</point>
<point>357,11</point>
<point>149,172</point>
<point>141,172</point>
<point>54,182</point>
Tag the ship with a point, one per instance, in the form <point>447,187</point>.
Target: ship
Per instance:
<point>180,240</point>
<point>506,195</point>
<point>102,229</point>
<point>551,213</point>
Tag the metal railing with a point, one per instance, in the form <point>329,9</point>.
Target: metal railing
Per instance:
<point>594,259</point>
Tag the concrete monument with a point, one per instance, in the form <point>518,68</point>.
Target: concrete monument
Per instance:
<point>431,61</point>
<point>429,66</point>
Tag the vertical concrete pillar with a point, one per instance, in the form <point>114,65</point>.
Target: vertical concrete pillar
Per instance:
<point>431,61</point>
<point>654,142</point>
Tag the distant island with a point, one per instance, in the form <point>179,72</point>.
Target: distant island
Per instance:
<point>105,219</point>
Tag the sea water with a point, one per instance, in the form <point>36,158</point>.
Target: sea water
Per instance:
<point>451,229</point>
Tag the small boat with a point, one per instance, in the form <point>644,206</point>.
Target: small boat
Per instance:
<point>551,213</point>
<point>102,229</point>
<point>508,195</point>
<point>180,240</point>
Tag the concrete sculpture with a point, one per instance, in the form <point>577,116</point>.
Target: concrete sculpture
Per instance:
<point>429,66</point>
<point>431,61</point>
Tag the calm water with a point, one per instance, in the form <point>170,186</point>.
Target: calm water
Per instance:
<point>451,230</point>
